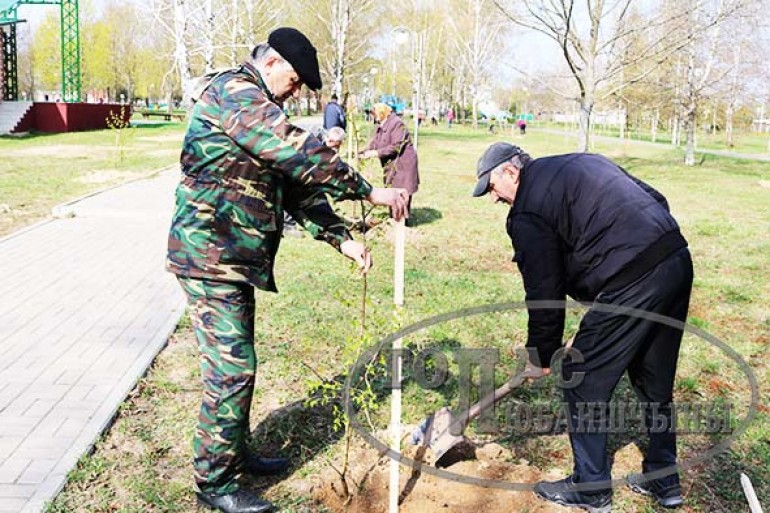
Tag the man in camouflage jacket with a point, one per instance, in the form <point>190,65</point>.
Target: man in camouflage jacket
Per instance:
<point>243,163</point>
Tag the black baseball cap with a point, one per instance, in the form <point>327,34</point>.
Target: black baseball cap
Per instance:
<point>490,159</point>
<point>298,51</point>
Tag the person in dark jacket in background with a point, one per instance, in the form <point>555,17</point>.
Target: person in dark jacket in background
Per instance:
<point>334,115</point>
<point>582,226</point>
<point>392,144</point>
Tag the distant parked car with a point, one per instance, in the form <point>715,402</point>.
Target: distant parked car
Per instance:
<point>396,103</point>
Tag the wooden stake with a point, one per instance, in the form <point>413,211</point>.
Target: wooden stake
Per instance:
<point>398,271</point>
<point>395,400</point>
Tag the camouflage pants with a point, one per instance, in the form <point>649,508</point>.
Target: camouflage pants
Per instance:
<point>223,318</point>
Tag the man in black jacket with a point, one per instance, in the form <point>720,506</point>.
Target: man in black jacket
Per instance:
<point>334,115</point>
<point>582,226</point>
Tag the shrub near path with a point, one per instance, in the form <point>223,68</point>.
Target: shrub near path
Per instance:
<point>458,255</point>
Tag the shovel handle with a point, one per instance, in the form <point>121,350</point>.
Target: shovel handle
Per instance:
<point>485,402</point>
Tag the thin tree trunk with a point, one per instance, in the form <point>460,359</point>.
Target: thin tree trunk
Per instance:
<point>584,124</point>
<point>729,125</point>
<point>622,123</point>
<point>339,27</point>
<point>234,33</point>
<point>676,128</point>
<point>251,38</point>
<point>181,57</point>
<point>208,36</point>
<point>692,108</point>
<point>689,156</point>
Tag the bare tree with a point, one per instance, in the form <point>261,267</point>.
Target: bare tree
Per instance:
<point>341,30</point>
<point>477,30</point>
<point>593,37</point>
<point>26,60</point>
<point>174,18</point>
<point>704,38</point>
<point>434,60</point>
<point>209,34</point>
<point>742,62</point>
<point>246,23</point>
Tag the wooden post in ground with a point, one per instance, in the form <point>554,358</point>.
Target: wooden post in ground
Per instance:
<point>395,398</point>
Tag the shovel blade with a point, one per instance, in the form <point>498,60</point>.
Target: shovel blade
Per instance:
<point>438,435</point>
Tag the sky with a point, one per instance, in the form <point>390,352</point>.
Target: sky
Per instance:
<point>34,13</point>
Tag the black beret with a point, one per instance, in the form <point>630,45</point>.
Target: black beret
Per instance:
<point>299,52</point>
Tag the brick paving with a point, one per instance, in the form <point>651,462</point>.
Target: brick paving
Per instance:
<point>85,306</point>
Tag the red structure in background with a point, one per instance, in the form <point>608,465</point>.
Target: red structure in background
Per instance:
<point>73,117</point>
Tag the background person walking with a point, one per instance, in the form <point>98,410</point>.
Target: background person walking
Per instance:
<point>334,114</point>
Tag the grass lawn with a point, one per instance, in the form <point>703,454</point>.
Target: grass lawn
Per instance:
<point>744,141</point>
<point>39,171</point>
<point>458,256</point>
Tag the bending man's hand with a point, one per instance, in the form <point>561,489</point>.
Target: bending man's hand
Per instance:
<point>369,154</point>
<point>533,372</point>
<point>358,253</point>
<point>396,199</point>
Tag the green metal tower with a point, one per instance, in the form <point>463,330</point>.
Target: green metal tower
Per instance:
<point>70,47</point>
<point>10,72</point>
<point>70,51</point>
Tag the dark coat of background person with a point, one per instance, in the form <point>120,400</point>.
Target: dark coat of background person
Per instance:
<point>397,154</point>
<point>334,116</point>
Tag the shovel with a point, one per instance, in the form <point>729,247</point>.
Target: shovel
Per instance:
<point>436,431</point>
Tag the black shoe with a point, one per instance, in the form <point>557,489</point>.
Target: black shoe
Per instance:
<point>667,496</point>
<point>563,492</point>
<point>239,501</point>
<point>259,466</point>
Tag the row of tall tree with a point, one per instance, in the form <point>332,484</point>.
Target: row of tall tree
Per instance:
<point>660,61</point>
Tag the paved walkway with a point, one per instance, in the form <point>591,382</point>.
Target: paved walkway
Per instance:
<point>85,305</point>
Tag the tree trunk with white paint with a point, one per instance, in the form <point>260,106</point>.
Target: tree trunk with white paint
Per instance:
<point>181,50</point>
<point>208,35</point>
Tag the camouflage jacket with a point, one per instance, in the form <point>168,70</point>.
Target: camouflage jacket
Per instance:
<point>242,164</point>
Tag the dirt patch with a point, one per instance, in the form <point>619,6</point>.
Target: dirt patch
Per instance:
<point>164,153</point>
<point>105,176</point>
<point>764,183</point>
<point>424,493</point>
<point>63,151</point>
<point>162,138</point>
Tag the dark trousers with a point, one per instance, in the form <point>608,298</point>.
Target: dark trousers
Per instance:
<point>612,343</point>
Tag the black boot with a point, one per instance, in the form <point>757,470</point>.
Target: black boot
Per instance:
<point>668,496</point>
<point>563,492</point>
<point>259,466</point>
<point>239,501</point>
